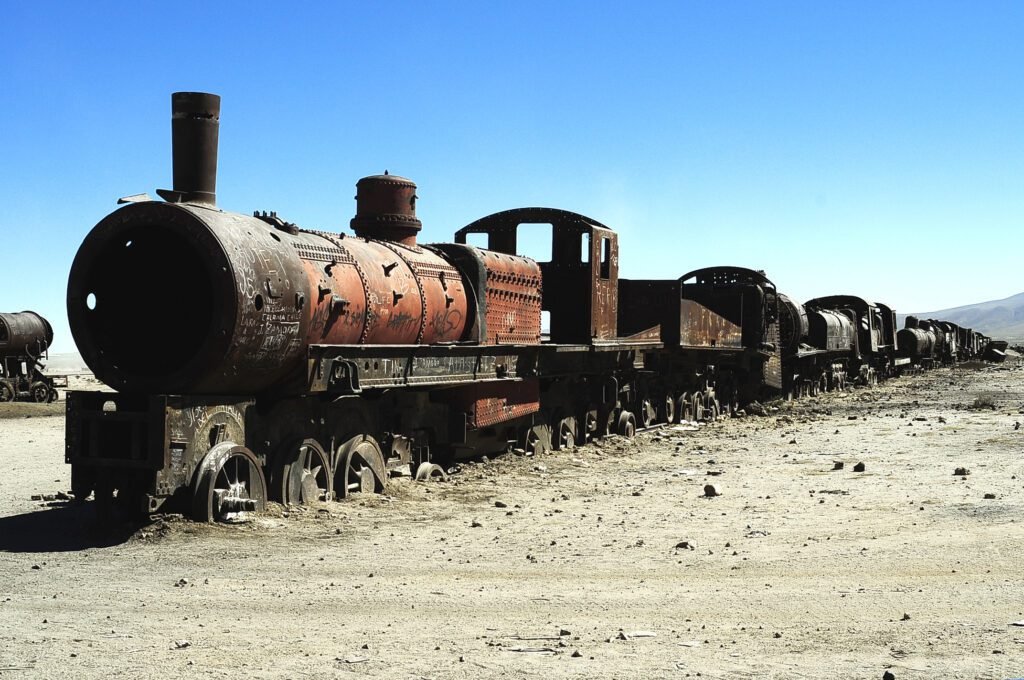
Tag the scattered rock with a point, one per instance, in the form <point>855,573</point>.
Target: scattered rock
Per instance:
<point>475,524</point>
<point>182,644</point>
<point>888,676</point>
<point>500,504</point>
<point>756,408</point>
<point>37,496</point>
<point>838,465</point>
<point>990,496</point>
<point>961,472</point>
<point>859,467</point>
<point>686,545</point>
<point>182,582</point>
<point>576,654</point>
<point>906,617</point>
<point>710,490</point>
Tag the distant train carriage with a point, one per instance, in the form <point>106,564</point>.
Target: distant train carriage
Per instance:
<point>817,348</point>
<point>720,330</point>
<point>874,353</point>
<point>25,339</point>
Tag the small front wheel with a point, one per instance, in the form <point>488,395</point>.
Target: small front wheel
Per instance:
<point>40,392</point>
<point>627,424</point>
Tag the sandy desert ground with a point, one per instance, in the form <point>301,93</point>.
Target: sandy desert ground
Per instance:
<point>607,561</point>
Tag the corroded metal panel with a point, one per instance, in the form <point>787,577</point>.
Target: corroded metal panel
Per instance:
<point>604,276</point>
<point>700,327</point>
<point>772,367</point>
<point>490,403</point>
<point>512,298</point>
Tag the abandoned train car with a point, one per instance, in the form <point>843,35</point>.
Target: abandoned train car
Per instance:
<point>25,339</point>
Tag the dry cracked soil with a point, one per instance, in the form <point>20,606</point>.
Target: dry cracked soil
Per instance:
<point>605,561</point>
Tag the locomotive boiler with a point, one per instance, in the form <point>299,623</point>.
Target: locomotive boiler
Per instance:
<point>24,334</point>
<point>25,338</point>
<point>180,296</point>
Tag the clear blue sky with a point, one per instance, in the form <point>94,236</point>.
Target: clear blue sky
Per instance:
<point>866,148</point>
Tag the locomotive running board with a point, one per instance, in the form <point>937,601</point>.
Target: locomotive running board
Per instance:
<point>350,369</point>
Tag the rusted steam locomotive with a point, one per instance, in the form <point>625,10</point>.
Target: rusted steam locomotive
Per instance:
<point>25,338</point>
<point>931,342</point>
<point>255,360</point>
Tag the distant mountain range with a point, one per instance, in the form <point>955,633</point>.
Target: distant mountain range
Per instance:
<point>1000,319</point>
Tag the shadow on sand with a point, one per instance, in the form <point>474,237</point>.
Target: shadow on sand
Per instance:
<point>61,528</point>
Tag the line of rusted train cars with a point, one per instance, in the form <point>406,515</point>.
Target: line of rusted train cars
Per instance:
<point>25,338</point>
<point>254,360</point>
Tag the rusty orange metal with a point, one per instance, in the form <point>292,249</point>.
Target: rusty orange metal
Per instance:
<point>512,298</point>
<point>386,209</point>
<point>487,404</point>
<point>379,292</point>
<point>581,279</point>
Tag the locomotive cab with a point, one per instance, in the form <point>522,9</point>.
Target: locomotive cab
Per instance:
<point>580,281</point>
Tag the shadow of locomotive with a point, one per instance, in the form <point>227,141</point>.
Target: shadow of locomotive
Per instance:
<point>64,527</point>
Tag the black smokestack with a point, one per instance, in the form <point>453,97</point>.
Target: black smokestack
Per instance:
<point>195,128</point>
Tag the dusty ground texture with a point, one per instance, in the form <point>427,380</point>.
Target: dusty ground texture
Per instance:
<point>606,561</point>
